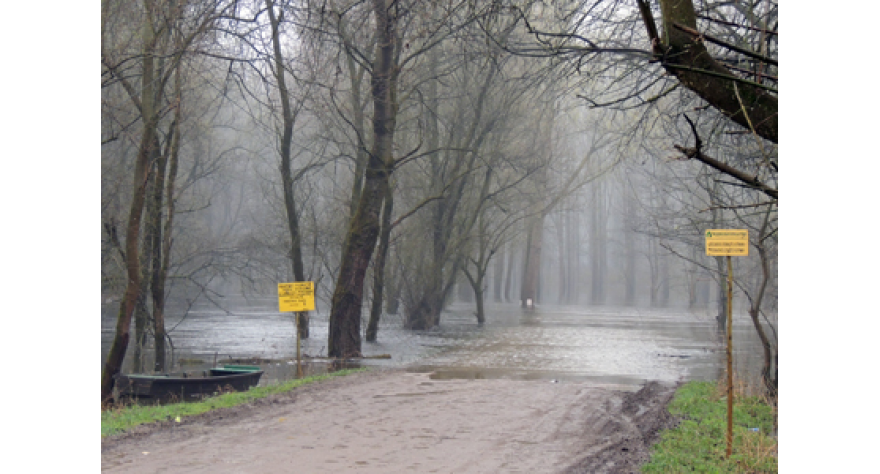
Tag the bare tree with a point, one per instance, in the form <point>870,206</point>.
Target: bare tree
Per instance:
<point>289,112</point>
<point>345,312</point>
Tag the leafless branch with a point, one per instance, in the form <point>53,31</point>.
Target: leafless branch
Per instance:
<point>723,76</point>
<point>725,44</point>
<point>696,153</point>
<point>744,206</point>
<point>737,25</point>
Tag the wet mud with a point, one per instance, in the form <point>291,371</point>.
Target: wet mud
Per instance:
<point>392,421</point>
<point>626,431</point>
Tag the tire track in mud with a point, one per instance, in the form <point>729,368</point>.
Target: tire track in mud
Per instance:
<point>625,429</point>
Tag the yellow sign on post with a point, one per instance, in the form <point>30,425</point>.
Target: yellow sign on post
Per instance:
<point>727,243</point>
<point>296,297</point>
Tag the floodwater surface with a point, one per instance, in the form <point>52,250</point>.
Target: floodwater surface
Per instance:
<point>610,346</point>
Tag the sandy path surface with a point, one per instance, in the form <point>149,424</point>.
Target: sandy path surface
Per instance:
<point>399,422</point>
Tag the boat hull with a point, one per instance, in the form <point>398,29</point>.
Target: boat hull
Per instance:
<point>185,388</point>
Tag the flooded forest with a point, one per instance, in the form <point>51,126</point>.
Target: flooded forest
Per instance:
<point>480,188</point>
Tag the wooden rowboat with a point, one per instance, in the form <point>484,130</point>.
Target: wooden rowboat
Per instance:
<point>186,387</point>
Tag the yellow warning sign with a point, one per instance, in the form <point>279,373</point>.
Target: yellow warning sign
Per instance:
<point>296,297</point>
<point>727,242</point>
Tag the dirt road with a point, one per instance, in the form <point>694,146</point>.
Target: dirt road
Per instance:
<point>399,422</point>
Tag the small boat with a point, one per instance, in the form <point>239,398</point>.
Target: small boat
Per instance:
<point>186,387</point>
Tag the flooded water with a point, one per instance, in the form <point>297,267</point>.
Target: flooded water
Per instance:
<point>621,347</point>
<point>613,346</point>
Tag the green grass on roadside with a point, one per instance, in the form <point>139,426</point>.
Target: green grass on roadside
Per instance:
<point>699,443</point>
<point>119,420</point>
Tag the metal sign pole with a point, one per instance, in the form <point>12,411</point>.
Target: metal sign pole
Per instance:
<point>299,370</point>
<point>728,243</point>
<point>297,297</point>
<point>729,357</point>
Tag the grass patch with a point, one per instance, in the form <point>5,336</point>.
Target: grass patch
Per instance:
<point>118,420</point>
<point>699,443</point>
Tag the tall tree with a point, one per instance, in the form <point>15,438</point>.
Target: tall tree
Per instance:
<point>289,112</point>
<point>344,338</point>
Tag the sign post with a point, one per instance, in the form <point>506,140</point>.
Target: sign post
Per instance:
<point>728,243</point>
<point>296,297</point>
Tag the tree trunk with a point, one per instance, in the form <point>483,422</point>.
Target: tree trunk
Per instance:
<point>511,263</point>
<point>476,283</point>
<point>379,266</point>
<point>693,279</point>
<point>427,311</point>
<point>770,368</point>
<point>356,75</point>
<point>115,357</point>
<point>157,290</point>
<point>288,121</point>
<point>664,279</point>
<point>574,257</point>
<point>141,310</point>
<point>344,338</point>
<point>532,269</point>
<point>564,263</point>
<point>654,262</point>
<point>770,361</point>
<point>392,301</point>
<point>629,245</point>
<point>498,275</point>
<point>598,257</point>
<point>154,241</point>
<point>141,319</point>
<point>481,311</point>
<point>162,240</point>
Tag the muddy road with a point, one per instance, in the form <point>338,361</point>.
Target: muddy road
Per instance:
<point>394,421</point>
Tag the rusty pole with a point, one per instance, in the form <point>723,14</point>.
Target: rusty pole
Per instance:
<point>729,357</point>
<point>299,370</point>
